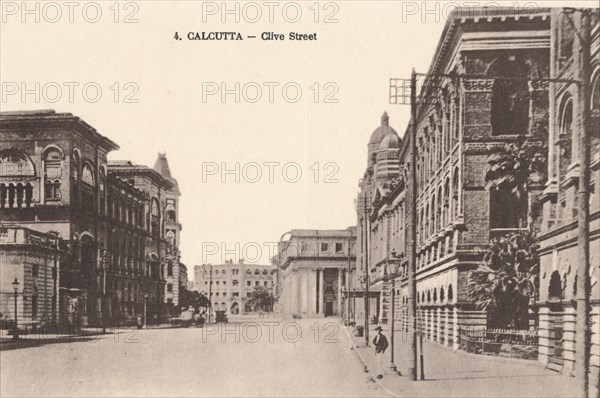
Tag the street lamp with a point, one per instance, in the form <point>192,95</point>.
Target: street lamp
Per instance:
<point>16,288</point>
<point>145,305</point>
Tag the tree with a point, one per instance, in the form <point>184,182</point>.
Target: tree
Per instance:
<point>261,298</point>
<point>192,298</point>
<point>507,280</point>
<point>513,167</point>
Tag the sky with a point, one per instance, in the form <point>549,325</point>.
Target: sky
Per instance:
<point>237,157</point>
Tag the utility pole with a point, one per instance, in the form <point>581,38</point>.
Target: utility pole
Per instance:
<point>582,337</point>
<point>210,293</point>
<point>348,283</point>
<point>412,229</point>
<point>366,233</point>
<point>393,329</point>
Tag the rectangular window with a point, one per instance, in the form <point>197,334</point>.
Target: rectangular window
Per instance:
<point>169,288</point>
<point>324,247</point>
<point>339,247</point>
<point>35,270</point>
<point>34,306</point>
<point>248,283</point>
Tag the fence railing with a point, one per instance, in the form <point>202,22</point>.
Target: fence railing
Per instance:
<point>512,343</point>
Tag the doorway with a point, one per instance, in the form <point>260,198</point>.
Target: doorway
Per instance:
<point>328,308</point>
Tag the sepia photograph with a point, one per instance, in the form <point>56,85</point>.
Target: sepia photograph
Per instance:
<point>310,198</point>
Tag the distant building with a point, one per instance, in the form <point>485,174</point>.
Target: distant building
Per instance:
<point>313,269</point>
<point>33,260</point>
<point>229,285</point>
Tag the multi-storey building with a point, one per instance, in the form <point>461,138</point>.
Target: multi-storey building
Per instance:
<point>314,267</point>
<point>172,228</point>
<point>485,88</point>
<point>30,262</point>
<point>229,285</point>
<point>559,236</point>
<point>55,178</point>
<point>162,218</point>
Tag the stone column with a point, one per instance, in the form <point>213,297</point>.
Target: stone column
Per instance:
<point>312,310</point>
<point>321,292</point>
<point>339,293</point>
<point>455,342</point>
<point>294,292</point>
<point>438,335</point>
<point>306,290</point>
<point>445,327</point>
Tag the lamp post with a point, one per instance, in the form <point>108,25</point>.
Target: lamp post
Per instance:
<point>392,331</point>
<point>16,288</point>
<point>145,307</point>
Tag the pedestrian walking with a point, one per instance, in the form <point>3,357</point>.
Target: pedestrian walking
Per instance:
<point>381,344</point>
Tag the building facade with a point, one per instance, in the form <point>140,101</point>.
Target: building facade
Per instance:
<point>229,285</point>
<point>559,235</point>
<point>32,260</point>
<point>485,89</point>
<point>55,178</point>
<point>314,269</point>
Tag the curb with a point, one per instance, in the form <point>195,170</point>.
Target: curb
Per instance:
<point>364,362</point>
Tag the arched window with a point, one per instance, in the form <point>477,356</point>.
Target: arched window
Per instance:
<point>595,114</point>
<point>170,237</point>
<point>455,193</point>
<point>441,295</point>
<point>75,173</point>
<point>155,217</point>
<point>15,163</point>
<point>555,286</point>
<point>566,138</point>
<point>510,97</point>
<point>170,214</point>
<point>438,217</point>
<point>52,174</point>
<point>88,252</point>
<point>450,293</point>
<point>87,176</point>
<point>446,218</point>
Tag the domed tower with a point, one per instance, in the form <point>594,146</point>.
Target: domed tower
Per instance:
<point>378,135</point>
<point>387,156</point>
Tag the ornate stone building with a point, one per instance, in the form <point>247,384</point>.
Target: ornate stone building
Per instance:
<point>32,259</point>
<point>481,94</point>
<point>55,177</point>
<point>558,238</point>
<point>314,267</point>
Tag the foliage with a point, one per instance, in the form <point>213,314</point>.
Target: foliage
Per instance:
<point>261,298</point>
<point>192,298</point>
<point>513,166</point>
<point>507,280</point>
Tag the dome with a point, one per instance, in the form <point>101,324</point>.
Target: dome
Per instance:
<point>382,131</point>
<point>390,141</point>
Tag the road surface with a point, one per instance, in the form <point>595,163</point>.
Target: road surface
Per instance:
<point>260,358</point>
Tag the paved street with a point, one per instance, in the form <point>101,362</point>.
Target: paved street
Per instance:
<point>193,362</point>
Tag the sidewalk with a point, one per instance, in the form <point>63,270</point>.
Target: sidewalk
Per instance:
<point>461,374</point>
<point>84,334</point>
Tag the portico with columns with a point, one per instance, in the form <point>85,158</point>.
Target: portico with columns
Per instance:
<point>314,267</point>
